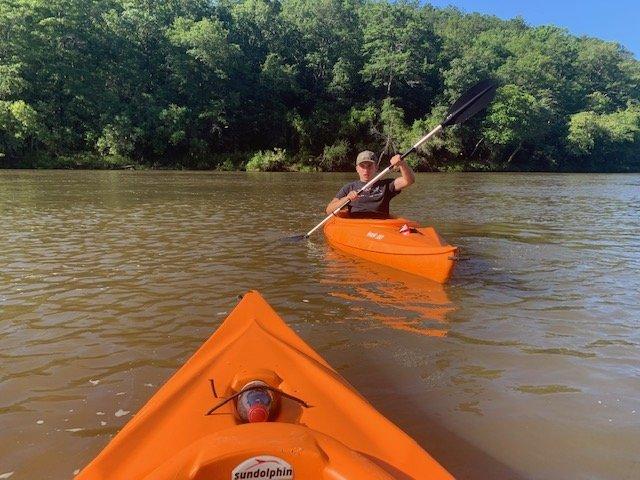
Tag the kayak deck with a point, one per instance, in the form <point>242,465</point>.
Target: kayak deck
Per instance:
<point>339,434</point>
<point>421,251</point>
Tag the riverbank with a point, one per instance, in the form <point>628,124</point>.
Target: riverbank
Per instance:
<point>277,160</point>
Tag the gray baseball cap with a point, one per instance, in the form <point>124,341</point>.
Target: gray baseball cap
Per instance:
<point>366,156</point>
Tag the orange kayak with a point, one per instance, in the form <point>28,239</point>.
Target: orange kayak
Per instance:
<point>317,427</point>
<point>417,250</point>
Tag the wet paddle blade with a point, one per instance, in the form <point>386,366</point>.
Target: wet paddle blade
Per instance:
<point>475,99</point>
<point>295,238</point>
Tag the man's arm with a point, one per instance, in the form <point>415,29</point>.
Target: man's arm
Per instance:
<point>340,202</point>
<point>407,177</point>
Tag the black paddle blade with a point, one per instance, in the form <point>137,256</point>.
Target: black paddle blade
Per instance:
<point>474,100</point>
<point>295,238</point>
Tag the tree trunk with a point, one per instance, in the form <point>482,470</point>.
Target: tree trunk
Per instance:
<point>511,157</point>
<point>476,147</point>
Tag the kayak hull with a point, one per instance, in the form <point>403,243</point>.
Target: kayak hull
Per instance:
<point>335,434</point>
<point>421,251</point>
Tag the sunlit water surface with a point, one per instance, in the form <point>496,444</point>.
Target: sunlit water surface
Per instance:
<point>527,365</point>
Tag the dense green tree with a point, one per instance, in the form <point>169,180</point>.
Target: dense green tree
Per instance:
<point>605,142</point>
<point>304,84</point>
<point>517,121</point>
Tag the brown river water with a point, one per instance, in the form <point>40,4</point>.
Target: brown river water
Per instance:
<point>525,366</point>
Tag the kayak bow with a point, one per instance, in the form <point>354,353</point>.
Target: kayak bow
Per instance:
<point>322,427</point>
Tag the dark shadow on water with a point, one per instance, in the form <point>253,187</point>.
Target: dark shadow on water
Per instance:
<point>462,459</point>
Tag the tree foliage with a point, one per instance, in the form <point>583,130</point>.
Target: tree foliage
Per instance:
<point>305,84</point>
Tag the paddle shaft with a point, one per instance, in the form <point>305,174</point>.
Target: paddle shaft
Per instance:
<point>375,179</point>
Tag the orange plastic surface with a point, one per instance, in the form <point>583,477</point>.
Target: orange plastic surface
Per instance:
<point>340,436</point>
<point>421,252</point>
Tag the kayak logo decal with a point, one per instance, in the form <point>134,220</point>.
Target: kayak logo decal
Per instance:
<point>375,236</point>
<point>264,466</point>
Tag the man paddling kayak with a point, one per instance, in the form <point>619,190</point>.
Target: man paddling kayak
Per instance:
<point>374,201</point>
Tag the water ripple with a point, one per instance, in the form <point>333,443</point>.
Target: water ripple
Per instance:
<point>110,280</point>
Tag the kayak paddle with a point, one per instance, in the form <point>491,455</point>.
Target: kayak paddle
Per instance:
<point>474,100</point>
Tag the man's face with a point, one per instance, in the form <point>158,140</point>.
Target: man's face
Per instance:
<point>366,170</point>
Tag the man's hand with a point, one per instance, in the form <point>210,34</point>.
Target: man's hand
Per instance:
<point>337,203</point>
<point>352,195</point>
<point>396,161</point>
<point>407,177</point>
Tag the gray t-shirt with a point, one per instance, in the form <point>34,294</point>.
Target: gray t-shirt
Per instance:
<point>373,201</point>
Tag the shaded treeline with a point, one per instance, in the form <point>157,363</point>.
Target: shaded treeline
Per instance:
<point>303,84</point>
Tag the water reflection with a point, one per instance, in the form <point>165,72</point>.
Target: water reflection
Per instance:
<point>389,297</point>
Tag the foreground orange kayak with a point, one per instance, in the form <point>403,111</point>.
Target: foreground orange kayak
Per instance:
<point>417,250</point>
<point>307,421</point>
